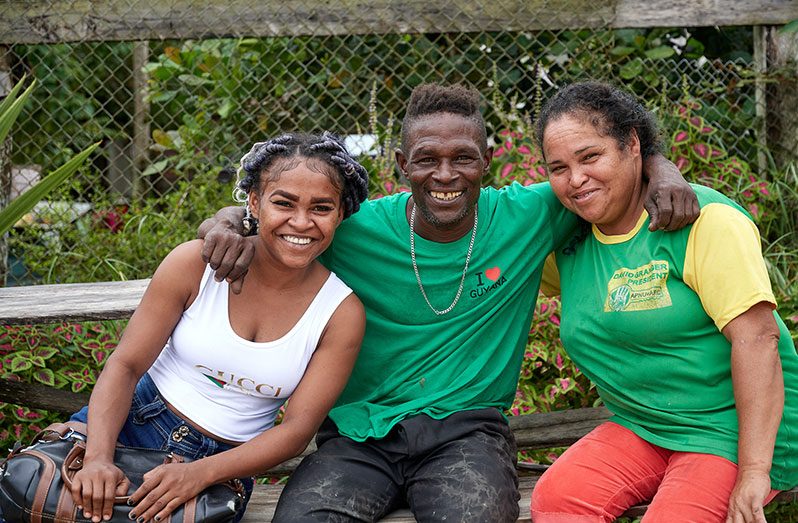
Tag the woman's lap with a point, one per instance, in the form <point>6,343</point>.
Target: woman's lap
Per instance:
<point>612,469</point>
<point>150,424</point>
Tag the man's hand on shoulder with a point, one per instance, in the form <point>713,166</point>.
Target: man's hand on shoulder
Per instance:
<point>671,202</point>
<point>225,249</point>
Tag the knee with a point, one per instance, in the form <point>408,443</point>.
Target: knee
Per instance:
<point>546,496</point>
<point>558,499</point>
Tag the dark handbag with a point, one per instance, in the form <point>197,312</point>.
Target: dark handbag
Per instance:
<point>35,481</point>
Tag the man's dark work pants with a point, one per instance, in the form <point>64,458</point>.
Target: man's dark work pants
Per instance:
<point>458,469</point>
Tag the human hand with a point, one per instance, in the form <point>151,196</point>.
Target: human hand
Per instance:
<point>95,486</point>
<point>670,201</point>
<point>225,249</point>
<point>164,489</point>
<point>746,503</point>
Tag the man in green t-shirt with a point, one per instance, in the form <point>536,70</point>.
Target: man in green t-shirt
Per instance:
<point>448,274</point>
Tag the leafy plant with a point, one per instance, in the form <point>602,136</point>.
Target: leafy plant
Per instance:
<point>10,109</point>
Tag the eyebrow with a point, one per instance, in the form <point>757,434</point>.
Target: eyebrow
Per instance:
<point>295,198</point>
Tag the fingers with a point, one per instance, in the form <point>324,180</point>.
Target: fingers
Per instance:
<point>672,214</point>
<point>660,210</point>
<point>153,500</point>
<point>229,255</point>
<point>236,285</point>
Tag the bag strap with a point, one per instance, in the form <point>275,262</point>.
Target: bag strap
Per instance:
<point>43,488</point>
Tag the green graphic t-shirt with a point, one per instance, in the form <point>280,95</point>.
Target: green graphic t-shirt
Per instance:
<point>642,315</point>
<point>413,361</point>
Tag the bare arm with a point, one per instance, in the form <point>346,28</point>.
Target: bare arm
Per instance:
<point>670,201</point>
<point>225,248</point>
<point>322,383</point>
<point>150,326</point>
<point>759,395</point>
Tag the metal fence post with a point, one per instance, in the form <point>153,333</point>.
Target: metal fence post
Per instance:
<point>141,109</point>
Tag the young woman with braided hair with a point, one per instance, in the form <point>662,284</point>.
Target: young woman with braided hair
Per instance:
<point>202,371</point>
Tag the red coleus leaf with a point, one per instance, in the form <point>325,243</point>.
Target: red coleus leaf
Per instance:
<point>20,363</point>
<point>45,376</point>
<point>78,386</point>
<point>45,352</point>
<point>682,163</point>
<point>680,137</point>
<point>99,355</point>
<point>701,150</point>
<point>506,170</point>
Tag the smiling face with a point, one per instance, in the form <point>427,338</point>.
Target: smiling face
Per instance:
<point>298,211</point>
<point>444,158</point>
<point>592,175</point>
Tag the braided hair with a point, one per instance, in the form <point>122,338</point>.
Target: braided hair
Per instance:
<point>351,177</point>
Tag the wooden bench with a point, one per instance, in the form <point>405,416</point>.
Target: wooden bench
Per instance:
<point>118,300</point>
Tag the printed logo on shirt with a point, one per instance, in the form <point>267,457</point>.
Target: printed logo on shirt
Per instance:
<point>640,289</point>
<point>487,281</point>
<point>243,385</point>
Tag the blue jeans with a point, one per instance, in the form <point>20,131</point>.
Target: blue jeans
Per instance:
<point>150,424</point>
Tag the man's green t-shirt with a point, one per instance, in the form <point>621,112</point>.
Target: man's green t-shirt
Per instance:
<point>413,361</point>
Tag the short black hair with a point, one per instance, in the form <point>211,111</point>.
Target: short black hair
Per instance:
<point>352,177</point>
<point>612,111</point>
<point>431,98</point>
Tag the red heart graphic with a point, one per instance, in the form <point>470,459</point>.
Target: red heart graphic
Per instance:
<point>493,273</point>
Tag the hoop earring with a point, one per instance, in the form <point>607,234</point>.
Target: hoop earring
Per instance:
<point>249,222</point>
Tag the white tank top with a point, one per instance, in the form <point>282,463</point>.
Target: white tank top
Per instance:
<point>231,386</point>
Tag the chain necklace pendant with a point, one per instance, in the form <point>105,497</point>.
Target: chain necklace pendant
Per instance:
<point>415,266</point>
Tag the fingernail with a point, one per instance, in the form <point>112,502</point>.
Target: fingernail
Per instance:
<point>131,516</point>
<point>130,502</point>
<point>140,519</point>
<point>157,518</point>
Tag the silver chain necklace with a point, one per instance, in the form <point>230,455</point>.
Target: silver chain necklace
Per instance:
<point>415,267</point>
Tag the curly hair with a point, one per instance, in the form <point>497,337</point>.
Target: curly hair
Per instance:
<point>610,110</point>
<point>264,159</point>
<point>427,99</point>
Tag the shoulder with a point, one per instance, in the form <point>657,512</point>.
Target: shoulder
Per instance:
<point>707,196</point>
<point>182,268</point>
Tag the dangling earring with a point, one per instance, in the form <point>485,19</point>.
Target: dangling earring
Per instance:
<point>250,223</point>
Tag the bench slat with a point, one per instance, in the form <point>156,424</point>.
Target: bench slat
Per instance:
<point>70,302</point>
<point>264,500</point>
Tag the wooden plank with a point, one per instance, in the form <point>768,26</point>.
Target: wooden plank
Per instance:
<point>555,429</point>
<point>70,21</point>
<point>36,396</point>
<point>70,302</point>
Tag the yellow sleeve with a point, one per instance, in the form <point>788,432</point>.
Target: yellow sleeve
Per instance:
<point>550,282</point>
<point>724,265</point>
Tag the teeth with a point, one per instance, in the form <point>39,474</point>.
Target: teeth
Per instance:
<point>445,195</point>
<point>296,239</point>
<point>583,195</point>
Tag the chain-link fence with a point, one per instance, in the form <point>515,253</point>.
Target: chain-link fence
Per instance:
<point>175,115</point>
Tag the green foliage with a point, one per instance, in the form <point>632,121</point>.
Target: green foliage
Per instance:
<point>10,109</point>
<point>67,356</point>
<point>701,157</point>
<point>120,242</point>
